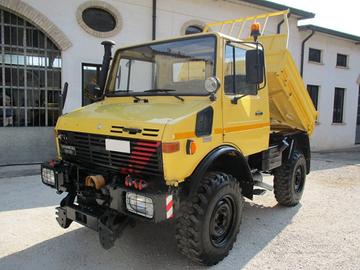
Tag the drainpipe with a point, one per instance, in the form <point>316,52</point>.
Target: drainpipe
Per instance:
<point>280,23</point>
<point>279,26</point>
<point>303,52</point>
<point>154,20</point>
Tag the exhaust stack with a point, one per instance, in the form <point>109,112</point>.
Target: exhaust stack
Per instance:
<point>108,44</point>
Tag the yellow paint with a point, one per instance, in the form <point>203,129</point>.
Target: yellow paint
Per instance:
<point>284,104</point>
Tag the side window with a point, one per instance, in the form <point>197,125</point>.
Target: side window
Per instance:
<point>235,72</point>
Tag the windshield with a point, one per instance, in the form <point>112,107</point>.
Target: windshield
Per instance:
<point>178,67</point>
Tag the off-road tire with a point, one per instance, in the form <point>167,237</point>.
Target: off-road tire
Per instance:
<point>217,191</point>
<point>287,191</point>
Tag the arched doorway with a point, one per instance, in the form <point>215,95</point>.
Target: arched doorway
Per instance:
<point>30,74</point>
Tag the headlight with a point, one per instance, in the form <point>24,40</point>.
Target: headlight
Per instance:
<point>139,204</point>
<point>52,175</point>
<point>48,176</point>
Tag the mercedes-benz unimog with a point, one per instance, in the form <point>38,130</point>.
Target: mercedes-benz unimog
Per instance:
<point>183,129</point>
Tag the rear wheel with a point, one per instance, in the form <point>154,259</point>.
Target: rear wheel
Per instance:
<point>210,221</point>
<point>289,180</point>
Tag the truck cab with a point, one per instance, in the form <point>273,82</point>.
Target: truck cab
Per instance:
<point>183,129</point>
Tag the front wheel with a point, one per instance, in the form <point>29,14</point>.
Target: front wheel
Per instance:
<point>211,219</point>
<point>289,180</point>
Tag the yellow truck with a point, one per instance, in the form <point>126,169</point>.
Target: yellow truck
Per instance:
<point>182,130</point>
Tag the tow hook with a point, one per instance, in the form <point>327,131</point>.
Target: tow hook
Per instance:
<point>110,228</point>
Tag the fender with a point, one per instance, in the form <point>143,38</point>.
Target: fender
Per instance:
<point>228,159</point>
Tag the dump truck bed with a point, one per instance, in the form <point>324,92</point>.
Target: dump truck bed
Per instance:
<point>290,104</point>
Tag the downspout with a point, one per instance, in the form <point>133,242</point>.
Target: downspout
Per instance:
<point>280,23</point>
<point>303,52</point>
<point>154,20</point>
<point>279,26</point>
<point>153,71</point>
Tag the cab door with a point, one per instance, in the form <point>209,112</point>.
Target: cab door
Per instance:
<point>245,110</point>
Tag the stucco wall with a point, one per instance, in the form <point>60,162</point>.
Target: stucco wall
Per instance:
<point>23,145</point>
<point>171,16</point>
<point>328,135</point>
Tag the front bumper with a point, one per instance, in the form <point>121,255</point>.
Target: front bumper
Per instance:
<point>162,202</point>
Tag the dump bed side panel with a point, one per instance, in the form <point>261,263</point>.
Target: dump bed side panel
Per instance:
<point>290,104</point>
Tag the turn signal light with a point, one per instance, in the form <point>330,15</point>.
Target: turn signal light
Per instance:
<point>170,147</point>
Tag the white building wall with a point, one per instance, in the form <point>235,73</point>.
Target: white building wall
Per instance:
<point>173,14</point>
<point>327,134</point>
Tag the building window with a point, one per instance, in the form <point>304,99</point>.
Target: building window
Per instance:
<point>341,60</point>
<point>30,74</point>
<point>99,18</point>
<point>193,29</point>
<point>314,55</point>
<point>90,74</point>
<point>314,94</point>
<point>338,112</point>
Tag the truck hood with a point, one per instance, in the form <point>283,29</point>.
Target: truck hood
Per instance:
<point>129,119</point>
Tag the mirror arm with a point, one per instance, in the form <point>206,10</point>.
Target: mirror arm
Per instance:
<point>62,98</point>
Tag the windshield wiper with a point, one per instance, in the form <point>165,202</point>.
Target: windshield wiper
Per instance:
<point>165,90</point>
<point>136,98</point>
<point>160,90</point>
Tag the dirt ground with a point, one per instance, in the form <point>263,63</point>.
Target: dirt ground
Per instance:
<point>323,232</point>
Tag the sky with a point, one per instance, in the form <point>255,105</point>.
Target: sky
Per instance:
<point>341,15</point>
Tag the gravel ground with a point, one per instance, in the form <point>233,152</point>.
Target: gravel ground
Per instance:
<point>323,232</point>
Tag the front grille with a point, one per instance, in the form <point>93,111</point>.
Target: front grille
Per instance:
<point>144,158</point>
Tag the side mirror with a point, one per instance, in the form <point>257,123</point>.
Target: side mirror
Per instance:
<point>93,91</point>
<point>255,66</point>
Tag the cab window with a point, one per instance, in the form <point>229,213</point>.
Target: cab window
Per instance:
<point>235,72</point>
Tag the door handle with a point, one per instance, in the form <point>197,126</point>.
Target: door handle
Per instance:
<point>259,113</point>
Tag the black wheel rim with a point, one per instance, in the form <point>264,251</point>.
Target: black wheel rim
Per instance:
<point>299,179</point>
<point>222,221</point>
